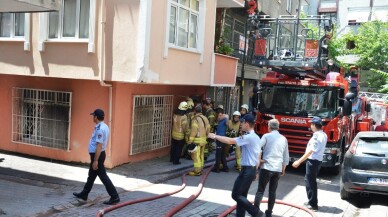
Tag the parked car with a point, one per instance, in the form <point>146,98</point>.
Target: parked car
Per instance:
<point>365,166</point>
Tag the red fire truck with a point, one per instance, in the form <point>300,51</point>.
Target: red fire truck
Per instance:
<point>302,83</point>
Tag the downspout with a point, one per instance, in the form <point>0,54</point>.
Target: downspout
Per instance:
<point>102,70</point>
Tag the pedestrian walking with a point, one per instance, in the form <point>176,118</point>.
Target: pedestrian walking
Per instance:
<point>250,145</point>
<point>179,127</point>
<point>275,159</point>
<point>314,156</point>
<point>96,148</point>
<point>200,128</point>
<point>220,147</point>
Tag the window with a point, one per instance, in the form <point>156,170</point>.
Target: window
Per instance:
<point>151,123</point>
<point>41,117</point>
<point>289,6</point>
<point>183,29</point>
<point>72,21</point>
<point>12,25</point>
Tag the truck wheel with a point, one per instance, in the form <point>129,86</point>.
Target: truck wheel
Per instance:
<point>343,193</point>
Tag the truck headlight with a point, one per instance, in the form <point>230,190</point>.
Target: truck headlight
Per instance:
<point>331,150</point>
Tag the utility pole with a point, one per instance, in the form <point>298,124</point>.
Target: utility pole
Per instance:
<point>243,60</point>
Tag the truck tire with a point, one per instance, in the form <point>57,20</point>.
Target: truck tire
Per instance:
<point>336,170</point>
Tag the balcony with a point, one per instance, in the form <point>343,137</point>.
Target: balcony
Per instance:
<point>328,6</point>
<point>224,70</point>
<point>230,3</point>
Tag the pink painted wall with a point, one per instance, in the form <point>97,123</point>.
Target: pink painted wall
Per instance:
<point>86,96</point>
<point>225,69</point>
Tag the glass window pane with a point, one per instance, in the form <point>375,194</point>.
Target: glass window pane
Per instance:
<point>84,19</point>
<point>19,24</point>
<point>69,18</point>
<point>172,25</point>
<point>5,24</point>
<point>53,24</point>
<point>183,27</point>
<point>194,5</point>
<point>185,3</point>
<point>193,31</point>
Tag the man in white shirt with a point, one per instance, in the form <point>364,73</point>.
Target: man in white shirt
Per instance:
<point>275,160</point>
<point>314,156</point>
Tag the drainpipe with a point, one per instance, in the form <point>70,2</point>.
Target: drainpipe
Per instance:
<point>102,70</point>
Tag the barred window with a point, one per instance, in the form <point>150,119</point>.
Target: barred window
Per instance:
<point>41,117</point>
<point>151,125</point>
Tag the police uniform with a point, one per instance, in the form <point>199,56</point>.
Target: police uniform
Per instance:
<point>317,145</point>
<point>100,135</point>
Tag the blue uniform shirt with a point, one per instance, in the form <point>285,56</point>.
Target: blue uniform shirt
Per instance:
<point>250,148</point>
<point>100,135</point>
<point>317,144</point>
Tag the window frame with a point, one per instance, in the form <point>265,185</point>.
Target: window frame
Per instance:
<point>200,28</point>
<point>289,6</point>
<point>27,129</point>
<point>44,29</point>
<point>26,37</point>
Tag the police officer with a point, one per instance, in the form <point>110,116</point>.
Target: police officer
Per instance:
<point>200,128</point>
<point>234,127</point>
<point>314,156</point>
<point>179,127</point>
<point>97,145</point>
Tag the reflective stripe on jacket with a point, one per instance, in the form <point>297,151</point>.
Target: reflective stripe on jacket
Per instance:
<point>200,128</point>
<point>179,127</point>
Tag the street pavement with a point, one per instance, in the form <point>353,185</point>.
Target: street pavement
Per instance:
<point>38,187</point>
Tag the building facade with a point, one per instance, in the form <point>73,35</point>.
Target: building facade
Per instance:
<point>134,59</point>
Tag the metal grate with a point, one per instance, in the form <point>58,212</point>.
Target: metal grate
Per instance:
<point>151,123</point>
<point>41,117</point>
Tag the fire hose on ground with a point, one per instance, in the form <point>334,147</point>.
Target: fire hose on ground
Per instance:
<point>188,200</point>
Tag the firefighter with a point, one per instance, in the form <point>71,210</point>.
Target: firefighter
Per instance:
<point>234,131</point>
<point>200,128</point>
<point>211,116</point>
<point>179,128</point>
<point>190,115</point>
<point>244,110</point>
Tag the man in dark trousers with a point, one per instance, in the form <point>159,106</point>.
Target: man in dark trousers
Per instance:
<point>250,149</point>
<point>97,145</point>
<point>275,160</point>
<point>220,148</point>
<point>314,156</point>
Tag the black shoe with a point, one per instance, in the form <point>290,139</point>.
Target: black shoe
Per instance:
<point>81,195</point>
<point>112,200</point>
<point>308,206</point>
<point>225,170</point>
<point>268,213</point>
<point>176,163</point>
<point>215,170</point>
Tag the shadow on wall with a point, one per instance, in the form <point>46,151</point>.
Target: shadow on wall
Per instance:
<point>18,57</point>
<point>73,54</point>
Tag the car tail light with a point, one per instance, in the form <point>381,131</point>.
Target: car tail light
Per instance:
<point>353,146</point>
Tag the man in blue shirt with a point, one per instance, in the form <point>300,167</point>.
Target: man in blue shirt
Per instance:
<point>250,148</point>
<point>96,148</point>
<point>314,156</point>
<point>220,148</point>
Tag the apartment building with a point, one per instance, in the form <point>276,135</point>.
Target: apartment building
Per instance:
<point>135,59</point>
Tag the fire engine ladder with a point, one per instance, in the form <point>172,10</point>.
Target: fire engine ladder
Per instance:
<point>378,97</point>
<point>286,45</point>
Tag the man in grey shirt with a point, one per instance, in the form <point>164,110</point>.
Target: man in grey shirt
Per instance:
<point>275,160</point>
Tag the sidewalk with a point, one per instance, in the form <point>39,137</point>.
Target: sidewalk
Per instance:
<point>61,180</point>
